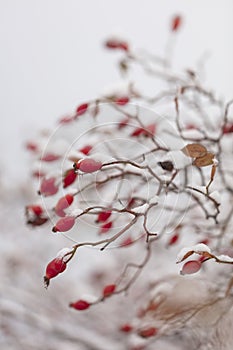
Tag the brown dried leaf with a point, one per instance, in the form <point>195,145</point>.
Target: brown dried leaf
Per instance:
<point>206,255</point>
<point>213,171</point>
<point>194,150</point>
<point>204,161</point>
<point>191,252</point>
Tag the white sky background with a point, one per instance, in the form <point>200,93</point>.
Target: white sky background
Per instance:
<point>52,56</point>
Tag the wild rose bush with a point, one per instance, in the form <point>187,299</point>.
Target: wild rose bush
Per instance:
<point>149,179</point>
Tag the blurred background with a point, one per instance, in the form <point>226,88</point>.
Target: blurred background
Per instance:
<point>52,59</point>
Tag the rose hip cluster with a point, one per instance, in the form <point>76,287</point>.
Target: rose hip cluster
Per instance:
<point>88,182</point>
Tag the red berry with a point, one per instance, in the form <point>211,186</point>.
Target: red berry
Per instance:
<point>173,239</point>
<point>66,120</point>
<point>176,23</point>
<point>131,203</point>
<point>148,332</point>
<point>138,131</point>
<point>191,267</point>
<point>38,174</point>
<point>190,126</point>
<point>123,123</point>
<point>69,198</point>
<point>53,269</point>
<point>81,109</point>
<point>36,209</point>
<point>116,44</point>
<point>64,224</point>
<point>126,242</point>
<point>86,150</point>
<point>150,129</point>
<point>88,165</point>
<point>63,203</point>
<point>31,146</point>
<point>138,347</point>
<point>105,227</point>
<point>103,216</point>
<point>111,44</point>
<point>80,305</point>
<point>123,46</point>
<point>49,157</point>
<point>108,290</point>
<point>121,101</point>
<point>126,328</point>
<point>37,221</point>
<point>48,187</point>
<point>227,129</point>
<point>205,241</point>
<point>69,178</point>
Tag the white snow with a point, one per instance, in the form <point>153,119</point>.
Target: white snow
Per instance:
<point>117,89</point>
<point>62,254</point>
<point>178,159</point>
<point>75,212</point>
<point>141,209</point>
<point>225,258</point>
<point>198,248</point>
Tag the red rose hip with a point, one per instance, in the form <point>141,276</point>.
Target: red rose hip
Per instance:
<point>64,224</point>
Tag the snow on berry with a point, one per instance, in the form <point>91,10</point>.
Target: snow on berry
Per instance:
<point>64,254</point>
<point>35,209</point>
